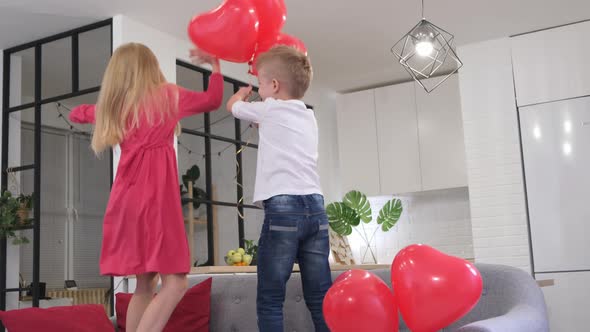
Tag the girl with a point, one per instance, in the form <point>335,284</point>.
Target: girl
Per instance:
<point>143,232</point>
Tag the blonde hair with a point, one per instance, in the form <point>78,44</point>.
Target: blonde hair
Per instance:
<point>289,66</point>
<point>130,80</point>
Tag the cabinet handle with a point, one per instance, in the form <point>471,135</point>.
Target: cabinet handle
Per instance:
<point>546,283</point>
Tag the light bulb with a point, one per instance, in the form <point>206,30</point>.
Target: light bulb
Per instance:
<point>424,38</point>
<point>424,48</point>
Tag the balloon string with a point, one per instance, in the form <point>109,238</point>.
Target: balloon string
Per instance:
<point>238,170</point>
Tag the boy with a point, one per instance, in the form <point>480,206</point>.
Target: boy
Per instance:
<point>287,186</point>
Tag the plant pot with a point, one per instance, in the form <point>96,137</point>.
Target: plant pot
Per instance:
<point>23,215</point>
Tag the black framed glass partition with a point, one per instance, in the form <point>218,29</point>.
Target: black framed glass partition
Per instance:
<point>47,157</point>
<point>224,149</point>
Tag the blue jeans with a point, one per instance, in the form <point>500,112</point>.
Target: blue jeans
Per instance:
<point>295,230</point>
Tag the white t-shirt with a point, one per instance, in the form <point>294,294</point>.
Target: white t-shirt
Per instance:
<point>287,148</point>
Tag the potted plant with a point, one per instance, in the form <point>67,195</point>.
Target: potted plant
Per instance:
<point>199,195</point>
<point>10,221</point>
<point>25,205</point>
<point>355,210</point>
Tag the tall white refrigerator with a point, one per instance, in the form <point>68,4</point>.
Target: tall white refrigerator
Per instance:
<point>556,147</point>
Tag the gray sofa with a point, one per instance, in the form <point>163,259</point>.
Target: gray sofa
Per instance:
<point>511,302</point>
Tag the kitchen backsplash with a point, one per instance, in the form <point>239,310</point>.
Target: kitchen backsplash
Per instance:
<point>438,218</point>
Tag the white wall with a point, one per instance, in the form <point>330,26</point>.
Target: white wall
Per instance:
<point>126,30</point>
<point>324,102</point>
<point>494,165</point>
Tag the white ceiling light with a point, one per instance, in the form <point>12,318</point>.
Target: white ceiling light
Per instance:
<point>426,51</point>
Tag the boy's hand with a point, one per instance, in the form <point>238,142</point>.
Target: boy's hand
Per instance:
<point>244,92</point>
<point>241,95</point>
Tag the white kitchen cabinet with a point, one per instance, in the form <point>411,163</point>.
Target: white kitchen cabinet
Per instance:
<point>357,141</point>
<point>567,300</point>
<point>552,64</point>
<point>397,135</point>
<point>440,133</point>
<point>399,139</point>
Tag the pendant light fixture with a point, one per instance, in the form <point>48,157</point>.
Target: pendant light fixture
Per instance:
<point>426,52</point>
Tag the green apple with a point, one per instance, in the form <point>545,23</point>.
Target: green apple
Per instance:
<point>231,253</point>
<point>247,259</point>
<point>237,258</point>
<point>241,251</point>
<point>229,260</point>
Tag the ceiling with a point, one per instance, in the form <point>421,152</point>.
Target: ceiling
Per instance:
<point>349,44</point>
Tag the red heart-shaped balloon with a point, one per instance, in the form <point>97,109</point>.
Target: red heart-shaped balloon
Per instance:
<point>272,15</point>
<point>360,301</point>
<point>343,276</point>
<point>229,32</point>
<point>433,289</point>
<point>288,40</point>
<point>281,39</point>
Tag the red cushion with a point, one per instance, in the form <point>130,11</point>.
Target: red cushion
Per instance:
<point>190,315</point>
<point>86,317</point>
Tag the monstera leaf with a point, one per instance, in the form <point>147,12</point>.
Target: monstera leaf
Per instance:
<point>389,214</point>
<point>342,218</point>
<point>360,204</point>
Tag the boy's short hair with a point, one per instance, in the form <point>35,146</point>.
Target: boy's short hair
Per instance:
<point>289,66</point>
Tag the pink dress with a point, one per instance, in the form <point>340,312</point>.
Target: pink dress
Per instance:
<point>143,227</point>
